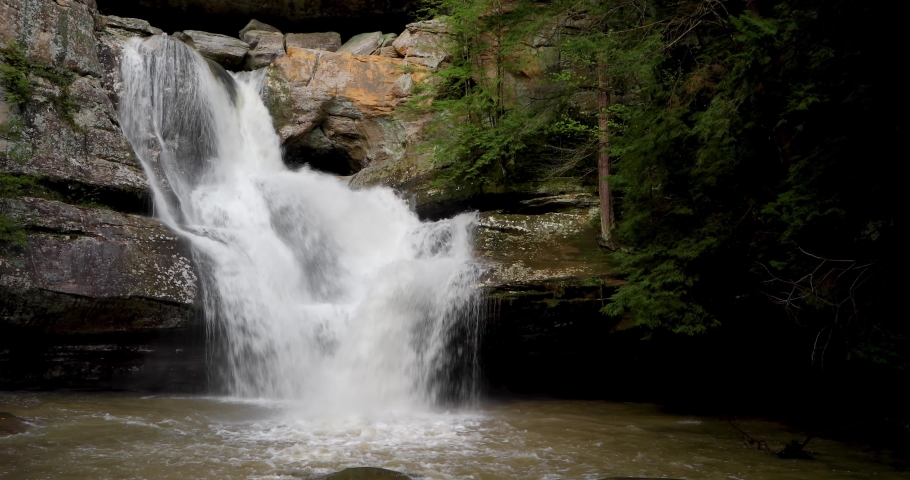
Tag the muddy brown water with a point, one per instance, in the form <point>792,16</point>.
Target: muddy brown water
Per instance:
<point>101,436</point>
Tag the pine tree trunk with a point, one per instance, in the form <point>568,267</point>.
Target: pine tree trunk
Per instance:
<point>603,155</point>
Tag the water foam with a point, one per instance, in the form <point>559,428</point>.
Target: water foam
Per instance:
<point>341,300</point>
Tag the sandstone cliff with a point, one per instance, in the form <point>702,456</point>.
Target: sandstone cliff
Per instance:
<point>102,295</point>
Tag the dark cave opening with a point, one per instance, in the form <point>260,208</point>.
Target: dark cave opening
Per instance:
<point>333,161</point>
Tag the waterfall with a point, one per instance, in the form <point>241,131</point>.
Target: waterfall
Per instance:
<point>340,299</point>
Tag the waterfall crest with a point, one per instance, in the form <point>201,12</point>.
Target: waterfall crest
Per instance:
<point>340,299</point>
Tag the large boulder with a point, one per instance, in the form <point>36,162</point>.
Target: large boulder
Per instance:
<point>424,43</point>
<point>227,51</point>
<point>265,48</point>
<point>257,25</point>
<point>133,25</point>
<point>328,41</point>
<point>11,424</point>
<point>363,44</point>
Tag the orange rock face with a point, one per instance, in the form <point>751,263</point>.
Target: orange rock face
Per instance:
<point>364,81</point>
<point>325,102</point>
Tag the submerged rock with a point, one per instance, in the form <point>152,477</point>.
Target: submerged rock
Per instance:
<point>328,41</point>
<point>227,51</point>
<point>364,473</point>
<point>13,425</point>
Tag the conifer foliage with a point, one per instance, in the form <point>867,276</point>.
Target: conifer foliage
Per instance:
<point>752,148</point>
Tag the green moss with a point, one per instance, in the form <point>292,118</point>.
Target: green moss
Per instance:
<point>16,71</point>
<point>11,231</point>
<point>37,186</point>
<point>277,101</point>
<point>10,186</point>
<point>14,75</point>
<point>591,282</point>
<point>17,149</point>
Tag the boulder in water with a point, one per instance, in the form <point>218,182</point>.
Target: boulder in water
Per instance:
<point>185,39</point>
<point>13,425</point>
<point>363,44</point>
<point>227,51</point>
<point>328,41</point>
<point>364,473</point>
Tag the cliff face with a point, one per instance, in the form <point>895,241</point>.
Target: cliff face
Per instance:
<point>95,283</point>
<point>102,295</point>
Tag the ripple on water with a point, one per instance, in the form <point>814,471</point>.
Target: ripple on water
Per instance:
<point>121,436</point>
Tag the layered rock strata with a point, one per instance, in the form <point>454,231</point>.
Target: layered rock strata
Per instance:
<point>96,295</point>
<point>102,296</point>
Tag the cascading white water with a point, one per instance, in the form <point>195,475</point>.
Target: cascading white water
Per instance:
<point>341,299</point>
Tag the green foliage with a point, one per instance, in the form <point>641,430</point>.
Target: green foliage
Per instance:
<point>10,186</point>
<point>738,178</point>
<point>752,153</point>
<point>15,72</point>
<point>484,133</point>
<point>17,150</point>
<point>11,231</point>
<point>14,75</point>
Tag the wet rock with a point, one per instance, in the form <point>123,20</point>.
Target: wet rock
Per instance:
<point>265,48</point>
<point>136,25</point>
<point>87,148</point>
<point>83,271</point>
<point>227,51</point>
<point>257,25</point>
<point>328,41</point>
<point>188,40</point>
<point>362,44</point>
<point>527,247</point>
<point>87,252</point>
<point>364,473</point>
<point>11,425</point>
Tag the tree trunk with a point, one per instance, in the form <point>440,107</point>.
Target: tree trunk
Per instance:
<point>603,153</point>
